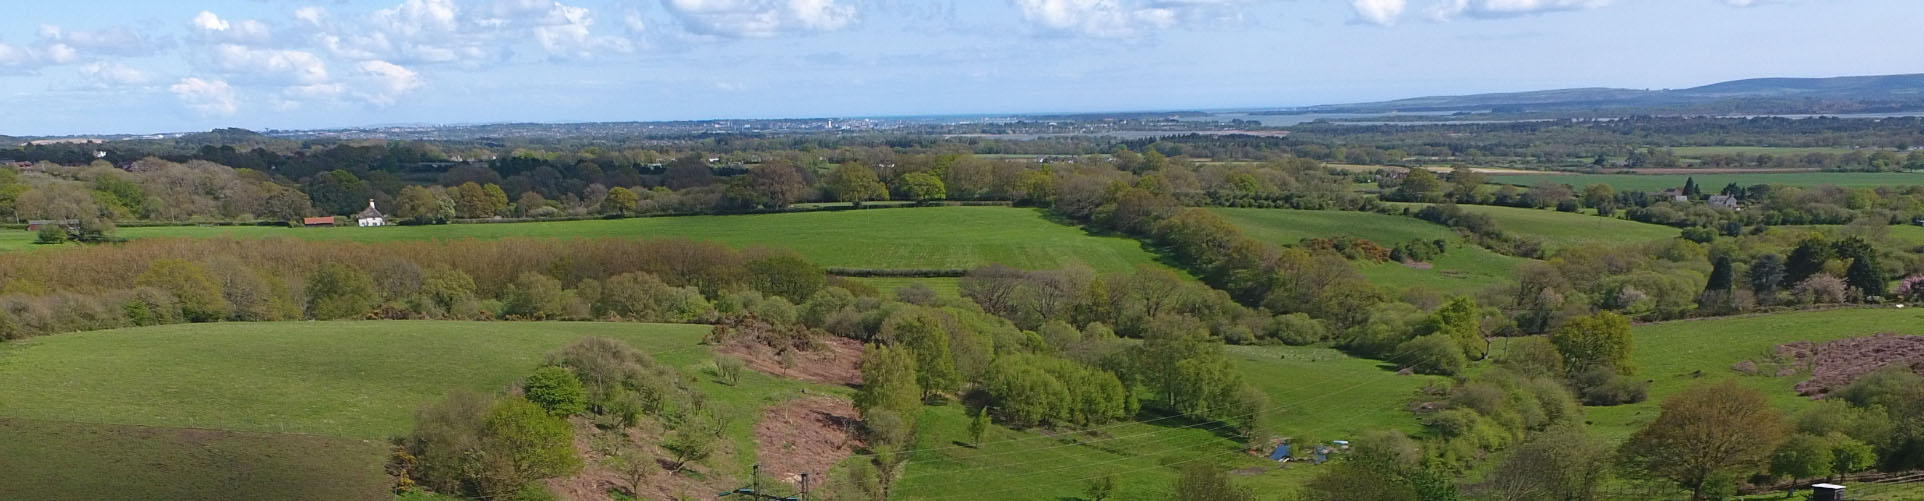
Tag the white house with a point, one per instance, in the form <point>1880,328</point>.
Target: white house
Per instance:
<point>371,217</point>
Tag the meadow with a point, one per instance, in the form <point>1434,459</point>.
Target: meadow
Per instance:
<point>1714,182</point>
<point>305,408</point>
<point>1315,394</point>
<point>1676,355</point>
<point>1565,229</point>
<point>1464,268</point>
<point>907,238</point>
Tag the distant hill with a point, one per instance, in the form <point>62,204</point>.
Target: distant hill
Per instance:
<point>1860,94</point>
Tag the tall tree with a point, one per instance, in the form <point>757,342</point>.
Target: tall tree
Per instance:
<point>855,183</point>
<point>1722,277</point>
<point>620,201</point>
<point>888,381</point>
<point>1766,273</point>
<point>1704,433</point>
<point>1602,339</point>
<point>1807,259</point>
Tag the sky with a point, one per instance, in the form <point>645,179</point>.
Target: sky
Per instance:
<point>77,67</point>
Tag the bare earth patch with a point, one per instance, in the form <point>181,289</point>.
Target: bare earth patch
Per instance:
<point>837,362</point>
<point>597,479</point>
<point>805,435</point>
<point>1836,364</point>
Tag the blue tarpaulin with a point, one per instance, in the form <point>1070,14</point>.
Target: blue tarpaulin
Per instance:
<point>1281,453</point>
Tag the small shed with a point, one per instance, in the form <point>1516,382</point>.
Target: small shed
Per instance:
<point>1827,492</point>
<point>370,216</point>
<point>37,224</point>
<point>316,222</point>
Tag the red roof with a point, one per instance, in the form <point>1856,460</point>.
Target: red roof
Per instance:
<point>318,220</point>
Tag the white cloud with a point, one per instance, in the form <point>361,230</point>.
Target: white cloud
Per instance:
<point>207,97</point>
<point>1488,9</point>
<point>112,75</point>
<point>760,18</point>
<point>271,65</point>
<point>1126,18</point>
<point>391,81</point>
<point>1381,12</point>
<point>116,41</point>
<point>247,31</point>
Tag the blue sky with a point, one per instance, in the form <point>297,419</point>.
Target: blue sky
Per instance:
<point>129,66</point>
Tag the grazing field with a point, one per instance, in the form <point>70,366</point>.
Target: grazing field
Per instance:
<point>218,410</point>
<point>1316,393</point>
<point>1675,355</point>
<point>1714,182</point>
<point>924,237</point>
<point>1704,151</point>
<point>943,286</point>
<point>1564,229</point>
<point>1464,268</point>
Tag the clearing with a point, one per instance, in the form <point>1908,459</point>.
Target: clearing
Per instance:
<point>905,238</point>
<point>1714,182</point>
<point>1315,393</point>
<point>1676,355</point>
<point>304,407</point>
<point>1464,268</point>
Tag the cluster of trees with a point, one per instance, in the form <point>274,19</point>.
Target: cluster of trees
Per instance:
<point>151,282</point>
<point>493,447</point>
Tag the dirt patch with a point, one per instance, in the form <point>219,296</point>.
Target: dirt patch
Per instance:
<point>1420,265</point>
<point>837,361</point>
<point>805,435</point>
<point>599,477</point>
<point>1836,364</point>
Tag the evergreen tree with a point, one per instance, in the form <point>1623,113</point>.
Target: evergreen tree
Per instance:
<point>1690,188</point>
<point>1733,190</point>
<point>1866,276</point>
<point>1807,259</point>
<point>1721,276</point>
<point>1766,273</point>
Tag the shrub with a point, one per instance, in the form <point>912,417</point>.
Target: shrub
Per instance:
<point>729,369</point>
<point>51,234</point>
<point>200,297</point>
<point>1603,386</point>
<point>1821,289</point>
<point>338,291</point>
<point>557,390</point>
<point>1298,329</point>
<point>535,296</point>
<point>1432,354</point>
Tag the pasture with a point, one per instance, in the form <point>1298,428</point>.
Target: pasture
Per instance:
<point>908,238</point>
<point>1714,182</point>
<point>1676,355</point>
<point>1315,393</point>
<point>1565,229</point>
<point>304,408</point>
<point>1464,268</point>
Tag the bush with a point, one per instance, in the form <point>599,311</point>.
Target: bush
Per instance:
<point>557,390</point>
<point>1603,386</point>
<point>1433,354</point>
<point>51,234</point>
<point>200,297</point>
<point>338,291</point>
<point>1298,329</point>
<point>535,296</point>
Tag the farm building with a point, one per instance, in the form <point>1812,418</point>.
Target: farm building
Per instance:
<point>314,222</point>
<point>1724,202</point>
<point>370,217</point>
<point>37,224</point>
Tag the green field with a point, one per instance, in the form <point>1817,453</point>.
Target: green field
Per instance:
<point>1703,151</point>
<point>1670,354</point>
<point>1564,229</point>
<point>1714,182</point>
<point>303,408</point>
<point>926,237</point>
<point>1464,268</point>
<point>1314,392</point>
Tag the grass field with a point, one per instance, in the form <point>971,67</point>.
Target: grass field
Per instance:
<point>1563,229</point>
<point>1714,182</point>
<point>943,286</point>
<point>1703,151</point>
<point>926,237</point>
<point>210,410</point>
<point>1314,392</point>
<point>1465,268</point>
<point>1671,354</point>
